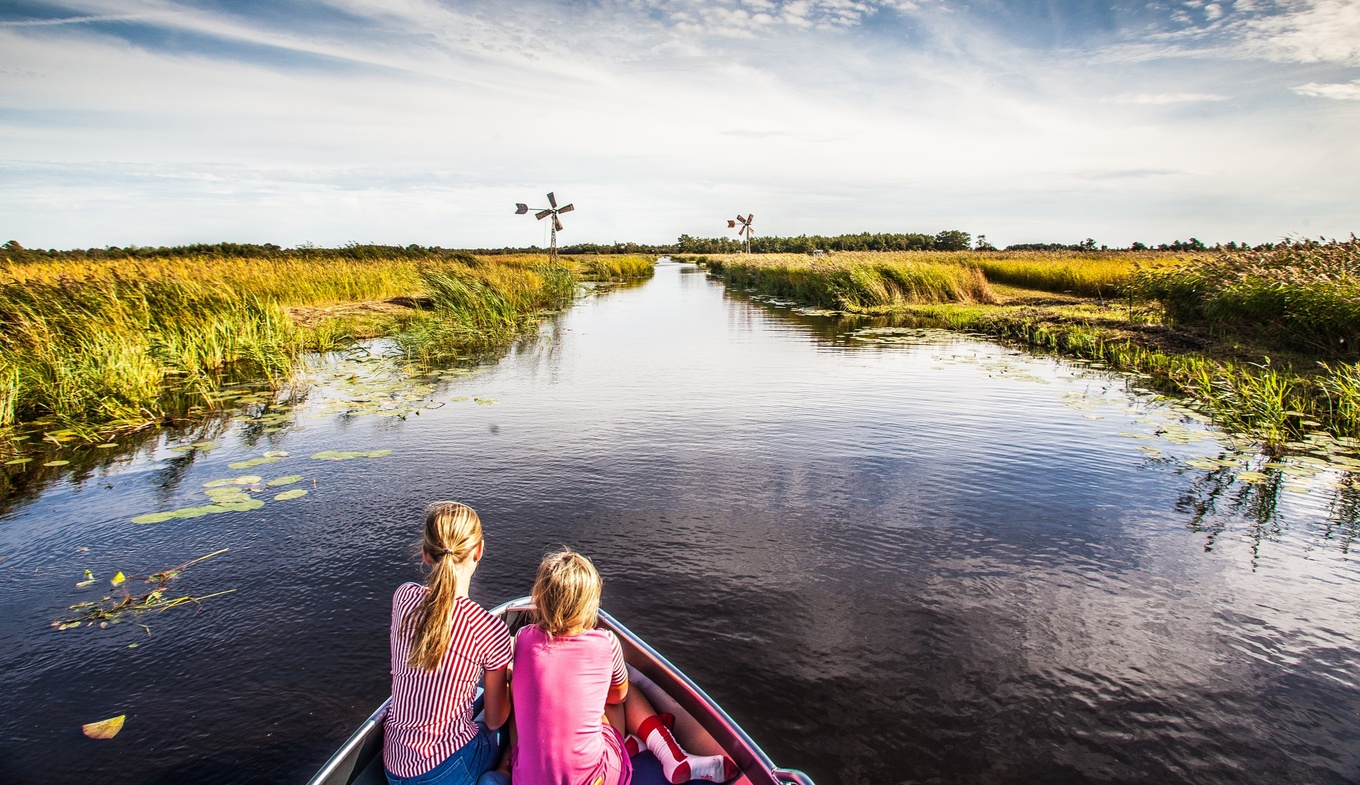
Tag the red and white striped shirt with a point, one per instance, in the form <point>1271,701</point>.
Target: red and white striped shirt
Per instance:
<point>431,713</point>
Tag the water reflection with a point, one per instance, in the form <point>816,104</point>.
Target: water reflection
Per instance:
<point>892,554</point>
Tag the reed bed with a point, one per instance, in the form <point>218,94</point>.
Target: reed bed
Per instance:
<point>120,343</point>
<point>1304,295</point>
<point>856,281</point>
<point>1098,274</point>
<point>607,268</point>
<point>1274,403</point>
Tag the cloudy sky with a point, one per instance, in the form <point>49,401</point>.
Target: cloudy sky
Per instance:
<point>424,121</point>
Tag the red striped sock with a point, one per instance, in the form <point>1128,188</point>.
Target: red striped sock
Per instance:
<point>679,766</point>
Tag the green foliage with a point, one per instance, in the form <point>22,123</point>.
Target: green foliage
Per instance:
<point>854,282</point>
<point>614,268</point>
<point>1303,295</point>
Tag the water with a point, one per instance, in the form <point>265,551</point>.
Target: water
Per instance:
<point>893,556</point>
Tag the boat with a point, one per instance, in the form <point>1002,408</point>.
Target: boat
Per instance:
<point>701,725</point>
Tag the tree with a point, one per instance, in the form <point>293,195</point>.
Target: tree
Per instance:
<point>953,240</point>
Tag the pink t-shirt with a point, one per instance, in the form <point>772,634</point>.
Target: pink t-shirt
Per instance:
<point>431,714</point>
<point>560,685</point>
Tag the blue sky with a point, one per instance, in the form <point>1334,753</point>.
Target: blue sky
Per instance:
<point>399,121</point>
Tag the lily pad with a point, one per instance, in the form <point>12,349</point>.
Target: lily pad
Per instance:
<point>155,517</point>
<point>219,483</point>
<point>289,480</point>
<point>18,461</point>
<point>485,401</point>
<point>198,512</point>
<point>56,463</point>
<point>296,493</point>
<point>252,463</point>
<point>245,505</point>
<point>378,454</point>
<point>276,454</point>
<point>232,494</point>
<point>248,479</point>
<point>1202,463</point>
<point>1253,477</point>
<point>104,729</point>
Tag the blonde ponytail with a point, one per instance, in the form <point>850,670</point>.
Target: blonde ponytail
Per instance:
<point>452,531</point>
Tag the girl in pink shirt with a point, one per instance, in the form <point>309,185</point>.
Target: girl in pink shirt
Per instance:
<point>571,696</point>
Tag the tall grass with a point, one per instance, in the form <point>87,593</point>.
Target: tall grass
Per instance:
<point>484,304</point>
<point>1305,295</point>
<point>1103,275</point>
<point>119,343</point>
<point>614,267</point>
<point>854,281</point>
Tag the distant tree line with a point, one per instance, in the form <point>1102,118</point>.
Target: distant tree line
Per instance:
<point>948,240</point>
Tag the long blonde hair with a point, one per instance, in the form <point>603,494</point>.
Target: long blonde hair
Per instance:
<point>566,593</point>
<point>452,531</point>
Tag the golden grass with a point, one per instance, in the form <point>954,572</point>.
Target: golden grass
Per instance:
<point>856,281</point>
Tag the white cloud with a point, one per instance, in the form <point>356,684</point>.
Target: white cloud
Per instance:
<point>1163,99</point>
<point>1346,91</point>
<point>1327,31</point>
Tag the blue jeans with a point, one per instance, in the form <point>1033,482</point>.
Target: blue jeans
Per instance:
<point>462,767</point>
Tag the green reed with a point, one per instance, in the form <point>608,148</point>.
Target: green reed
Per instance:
<point>854,282</point>
<point>1303,295</point>
<point>611,267</point>
<point>120,344</point>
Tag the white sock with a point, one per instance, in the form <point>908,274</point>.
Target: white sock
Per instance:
<point>679,766</point>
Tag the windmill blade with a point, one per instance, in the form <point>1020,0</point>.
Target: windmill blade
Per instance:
<point>521,208</point>
<point>552,200</point>
<point>567,209</point>
<point>731,223</point>
<point>743,221</point>
<point>750,218</point>
<point>556,223</point>
<point>543,214</point>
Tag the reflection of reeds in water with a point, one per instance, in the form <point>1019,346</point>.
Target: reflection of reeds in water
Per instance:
<point>111,342</point>
<point>855,281</point>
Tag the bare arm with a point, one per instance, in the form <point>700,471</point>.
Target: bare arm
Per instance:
<point>497,694</point>
<point>617,693</point>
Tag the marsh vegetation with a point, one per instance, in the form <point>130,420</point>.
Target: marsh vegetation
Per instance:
<point>1265,339</point>
<point>98,339</point>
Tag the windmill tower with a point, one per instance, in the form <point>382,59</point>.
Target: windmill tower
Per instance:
<point>543,212</point>
<point>745,229</point>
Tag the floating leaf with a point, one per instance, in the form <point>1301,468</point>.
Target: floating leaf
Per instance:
<point>458,399</point>
<point>1253,477</point>
<point>1202,463</point>
<point>289,480</point>
<point>252,463</point>
<point>485,401</point>
<point>245,505</point>
<point>106,445</point>
<point>379,453</point>
<point>198,512</point>
<point>276,454</point>
<point>296,493</point>
<point>248,479</point>
<point>155,517</point>
<point>233,494</point>
<point>219,483</point>
<point>104,729</point>
<point>84,583</point>
<point>56,463</point>
<point>326,455</point>
<point>118,578</point>
<point>18,461</point>
<point>204,443</point>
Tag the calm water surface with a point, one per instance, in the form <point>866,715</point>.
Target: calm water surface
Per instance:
<point>893,556</point>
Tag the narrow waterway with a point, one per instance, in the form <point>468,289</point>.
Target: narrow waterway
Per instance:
<point>893,555</point>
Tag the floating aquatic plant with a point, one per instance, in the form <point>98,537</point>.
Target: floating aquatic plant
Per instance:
<point>114,608</point>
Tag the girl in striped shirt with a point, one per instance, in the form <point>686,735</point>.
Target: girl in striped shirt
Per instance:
<point>443,643</point>
<point>572,702</point>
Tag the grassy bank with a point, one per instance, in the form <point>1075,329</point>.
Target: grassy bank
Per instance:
<point>1264,340</point>
<point>119,343</point>
<point>855,281</point>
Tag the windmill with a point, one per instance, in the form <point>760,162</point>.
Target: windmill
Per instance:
<point>745,229</point>
<point>521,208</point>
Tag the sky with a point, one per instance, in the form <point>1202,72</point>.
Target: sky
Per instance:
<point>160,122</point>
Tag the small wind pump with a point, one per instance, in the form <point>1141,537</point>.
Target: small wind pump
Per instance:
<point>745,230</point>
<point>521,208</point>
